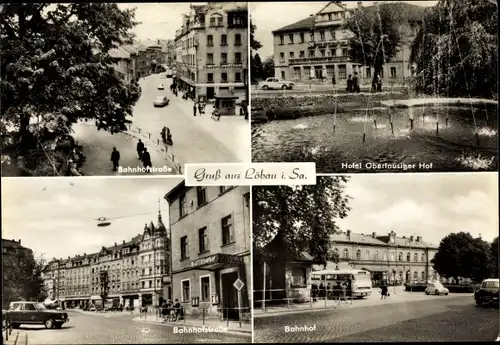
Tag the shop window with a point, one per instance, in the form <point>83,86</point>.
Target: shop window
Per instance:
<point>298,277</point>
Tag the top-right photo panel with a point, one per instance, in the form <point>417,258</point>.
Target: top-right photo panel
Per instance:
<point>376,87</point>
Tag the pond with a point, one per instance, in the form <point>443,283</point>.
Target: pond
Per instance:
<point>443,138</point>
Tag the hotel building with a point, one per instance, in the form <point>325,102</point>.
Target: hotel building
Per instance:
<point>212,50</point>
<point>137,272</point>
<point>210,229</point>
<point>316,47</point>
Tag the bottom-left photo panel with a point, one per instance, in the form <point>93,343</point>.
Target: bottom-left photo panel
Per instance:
<point>125,261</point>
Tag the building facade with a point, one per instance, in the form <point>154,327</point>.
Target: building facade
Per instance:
<point>388,257</point>
<point>210,229</point>
<point>136,273</point>
<point>212,50</point>
<point>316,48</point>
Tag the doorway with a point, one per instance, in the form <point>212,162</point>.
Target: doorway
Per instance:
<point>210,93</point>
<point>318,71</point>
<point>229,296</point>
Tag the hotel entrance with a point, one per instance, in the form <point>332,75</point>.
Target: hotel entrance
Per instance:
<point>229,296</point>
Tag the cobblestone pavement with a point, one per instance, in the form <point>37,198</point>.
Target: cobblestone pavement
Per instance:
<point>120,329</point>
<point>453,319</point>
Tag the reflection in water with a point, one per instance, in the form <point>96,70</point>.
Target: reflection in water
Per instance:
<point>438,135</point>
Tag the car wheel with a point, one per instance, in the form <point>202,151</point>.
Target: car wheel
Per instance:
<point>265,87</point>
<point>49,324</point>
<point>446,293</point>
<point>15,325</point>
<point>436,292</point>
<point>58,325</point>
<point>283,87</point>
<point>426,292</point>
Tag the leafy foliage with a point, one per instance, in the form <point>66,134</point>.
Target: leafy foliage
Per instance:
<point>56,70</point>
<point>256,66</point>
<point>22,277</point>
<point>268,68</point>
<point>303,215</point>
<point>456,49</point>
<point>254,44</point>
<point>461,255</point>
<point>494,257</point>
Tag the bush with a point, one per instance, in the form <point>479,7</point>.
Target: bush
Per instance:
<point>460,288</point>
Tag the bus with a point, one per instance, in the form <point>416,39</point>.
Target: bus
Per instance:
<point>359,281</point>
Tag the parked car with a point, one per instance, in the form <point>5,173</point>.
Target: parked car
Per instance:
<point>92,308</point>
<point>161,101</point>
<point>170,73</point>
<point>276,83</point>
<point>436,288</point>
<point>161,87</point>
<point>488,293</point>
<point>35,313</point>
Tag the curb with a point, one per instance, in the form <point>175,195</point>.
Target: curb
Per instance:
<point>188,324</point>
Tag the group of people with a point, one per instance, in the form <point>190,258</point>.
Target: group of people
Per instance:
<point>171,311</point>
<point>331,290</point>
<point>142,152</point>
<point>353,83</point>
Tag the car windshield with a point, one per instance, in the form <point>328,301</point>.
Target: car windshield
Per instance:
<point>159,99</point>
<point>491,284</point>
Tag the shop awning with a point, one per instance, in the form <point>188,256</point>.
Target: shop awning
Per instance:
<point>216,261</point>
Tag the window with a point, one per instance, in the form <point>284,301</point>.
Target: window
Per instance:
<point>184,248</point>
<point>182,205</point>
<point>400,258</point>
<point>333,34</point>
<point>393,256</point>
<point>223,77</point>
<point>296,72</point>
<point>302,40</point>
<point>408,257</point>
<point>422,257</point>
<point>311,53</point>
<point>143,284</point>
<point>186,291</point>
<point>384,257</point>
<point>358,254</point>
<point>227,230</point>
<point>345,52</point>
<point>282,57</point>
<point>336,252</point>
<point>223,58</point>
<point>237,57</point>
<point>282,39</point>
<point>223,189</point>
<point>311,37</point>
<point>346,253</point>
<point>368,72</point>
<point>210,40</point>
<point>29,306</point>
<point>423,276</point>
<point>210,78</point>
<point>342,72</point>
<point>302,54</point>
<point>415,257</point>
<point>283,75</point>
<point>205,288</point>
<point>292,55</point>
<point>322,35</point>
<point>203,240</point>
<point>201,195</point>
<point>330,71</point>
<point>376,255</point>
<point>415,275</point>
<point>219,21</point>
<point>322,51</point>
<point>299,277</point>
<point>150,283</point>
<point>223,40</point>
<point>237,40</point>
<point>210,59</point>
<point>393,72</point>
<point>237,76</point>
<point>290,38</point>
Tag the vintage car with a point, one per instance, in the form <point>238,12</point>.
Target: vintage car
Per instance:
<point>161,87</point>
<point>33,313</point>
<point>436,288</point>
<point>488,293</point>
<point>161,101</point>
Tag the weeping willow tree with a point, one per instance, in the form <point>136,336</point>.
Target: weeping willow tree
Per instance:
<point>455,51</point>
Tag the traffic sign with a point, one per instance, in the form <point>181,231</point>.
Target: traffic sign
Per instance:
<point>238,284</point>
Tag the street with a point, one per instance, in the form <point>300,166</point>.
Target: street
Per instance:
<point>450,318</point>
<point>119,329</point>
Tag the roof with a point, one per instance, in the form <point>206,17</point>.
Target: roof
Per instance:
<point>356,238</point>
<point>119,53</point>
<point>303,24</point>
<point>172,194</point>
<point>380,240</point>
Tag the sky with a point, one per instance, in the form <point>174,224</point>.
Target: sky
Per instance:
<point>427,205</point>
<point>57,217</point>
<point>266,16</point>
<point>159,20</point>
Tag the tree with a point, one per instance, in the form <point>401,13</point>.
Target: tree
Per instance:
<point>461,255</point>
<point>268,68</point>
<point>303,215</point>
<point>455,52</point>
<point>378,32</point>
<point>22,277</point>
<point>494,257</point>
<point>254,44</point>
<point>256,66</point>
<point>56,70</point>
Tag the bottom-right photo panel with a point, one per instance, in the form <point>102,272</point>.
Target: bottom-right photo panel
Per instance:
<point>372,257</point>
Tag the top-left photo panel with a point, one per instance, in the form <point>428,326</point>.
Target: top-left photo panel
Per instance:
<point>110,89</point>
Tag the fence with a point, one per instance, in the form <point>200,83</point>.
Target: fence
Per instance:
<point>301,298</point>
<point>241,315</point>
<point>139,133</point>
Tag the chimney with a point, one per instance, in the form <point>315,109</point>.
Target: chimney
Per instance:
<point>374,235</point>
<point>19,241</point>
<point>348,232</point>
<point>115,244</point>
<point>411,238</point>
<point>404,237</point>
<point>419,238</point>
<point>360,4</point>
<point>123,241</point>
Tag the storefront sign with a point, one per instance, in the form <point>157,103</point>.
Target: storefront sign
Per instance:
<point>216,260</point>
<point>205,261</point>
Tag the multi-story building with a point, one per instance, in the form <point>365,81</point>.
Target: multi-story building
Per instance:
<point>316,47</point>
<point>137,272</point>
<point>125,61</point>
<point>210,229</point>
<point>388,257</point>
<point>212,50</point>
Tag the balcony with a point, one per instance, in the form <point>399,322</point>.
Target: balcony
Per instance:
<point>321,59</point>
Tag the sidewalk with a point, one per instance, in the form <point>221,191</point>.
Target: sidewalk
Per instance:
<point>15,338</point>
<point>100,313</point>
<point>232,328</point>
<point>400,296</point>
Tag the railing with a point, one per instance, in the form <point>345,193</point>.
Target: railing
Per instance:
<point>301,298</point>
<point>140,133</point>
<point>204,314</point>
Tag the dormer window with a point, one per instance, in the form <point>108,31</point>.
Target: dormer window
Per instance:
<point>216,20</point>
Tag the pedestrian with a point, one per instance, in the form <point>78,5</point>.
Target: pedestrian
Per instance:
<point>343,286</point>
<point>115,158</point>
<point>379,83</point>
<point>146,160</point>
<point>194,109</point>
<point>349,84</point>
<point>334,82</point>
<point>314,291</point>
<point>140,148</point>
<point>321,290</point>
<point>383,291</point>
<point>179,314</point>
<point>200,108</point>
<point>355,83</point>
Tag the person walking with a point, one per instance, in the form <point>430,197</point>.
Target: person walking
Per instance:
<point>194,109</point>
<point>379,83</point>
<point>334,82</point>
<point>343,286</point>
<point>355,83</point>
<point>383,291</point>
<point>349,84</point>
<point>115,158</point>
<point>146,160</point>
<point>140,148</point>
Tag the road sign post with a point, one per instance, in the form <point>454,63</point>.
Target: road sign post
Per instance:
<point>238,284</point>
